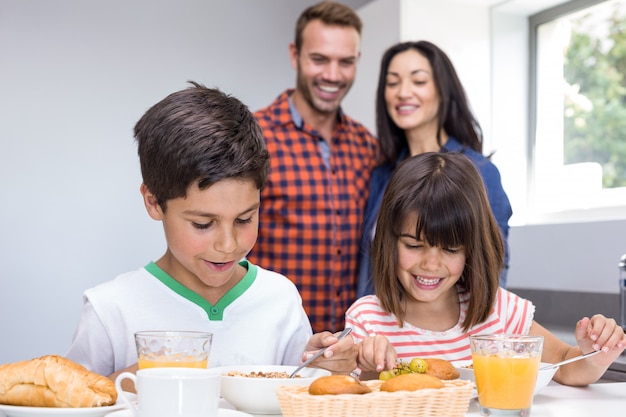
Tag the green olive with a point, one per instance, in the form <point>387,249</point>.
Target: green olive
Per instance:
<point>418,365</point>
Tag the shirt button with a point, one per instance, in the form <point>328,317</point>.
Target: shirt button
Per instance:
<point>338,251</point>
<point>215,310</point>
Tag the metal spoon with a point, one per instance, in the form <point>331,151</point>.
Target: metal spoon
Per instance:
<point>574,359</point>
<point>320,352</point>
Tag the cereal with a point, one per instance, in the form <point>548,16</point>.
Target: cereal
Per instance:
<point>262,374</point>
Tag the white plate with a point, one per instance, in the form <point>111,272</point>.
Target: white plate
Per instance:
<point>222,412</point>
<point>465,368</point>
<point>23,411</point>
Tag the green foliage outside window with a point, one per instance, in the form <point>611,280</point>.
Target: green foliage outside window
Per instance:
<point>595,99</point>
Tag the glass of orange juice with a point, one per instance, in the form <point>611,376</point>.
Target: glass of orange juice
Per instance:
<point>167,348</point>
<point>506,368</point>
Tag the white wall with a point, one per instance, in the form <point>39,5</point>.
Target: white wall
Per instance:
<point>461,30</point>
<point>381,20</point>
<point>76,75</point>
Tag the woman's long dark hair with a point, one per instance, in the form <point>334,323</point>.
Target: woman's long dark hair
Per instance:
<point>454,114</point>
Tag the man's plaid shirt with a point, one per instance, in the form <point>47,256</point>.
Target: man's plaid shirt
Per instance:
<point>312,213</point>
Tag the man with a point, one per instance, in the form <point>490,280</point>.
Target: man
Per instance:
<point>312,206</point>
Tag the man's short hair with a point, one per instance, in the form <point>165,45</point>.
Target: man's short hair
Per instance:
<point>330,13</point>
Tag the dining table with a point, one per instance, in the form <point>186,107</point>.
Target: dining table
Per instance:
<point>606,399</point>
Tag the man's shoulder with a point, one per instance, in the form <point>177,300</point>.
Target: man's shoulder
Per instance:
<point>275,114</point>
<point>280,103</point>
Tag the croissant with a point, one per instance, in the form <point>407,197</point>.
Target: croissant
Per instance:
<point>54,381</point>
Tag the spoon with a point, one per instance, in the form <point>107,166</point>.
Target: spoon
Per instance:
<point>574,359</point>
<point>320,352</point>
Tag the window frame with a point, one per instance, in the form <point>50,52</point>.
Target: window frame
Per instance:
<point>606,211</point>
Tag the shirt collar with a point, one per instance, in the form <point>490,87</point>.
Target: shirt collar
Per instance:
<point>297,118</point>
<point>452,145</point>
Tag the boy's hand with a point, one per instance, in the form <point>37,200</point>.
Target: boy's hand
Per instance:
<point>339,358</point>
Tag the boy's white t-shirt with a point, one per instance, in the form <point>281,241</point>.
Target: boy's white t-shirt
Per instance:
<point>259,321</point>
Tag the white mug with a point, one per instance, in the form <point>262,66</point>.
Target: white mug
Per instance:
<point>172,392</point>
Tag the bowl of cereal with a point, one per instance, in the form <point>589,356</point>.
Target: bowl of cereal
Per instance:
<point>252,388</point>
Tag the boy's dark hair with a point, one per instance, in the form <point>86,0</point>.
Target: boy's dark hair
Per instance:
<point>199,135</point>
<point>447,194</point>
<point>454,114</point>
<point>330,13</point>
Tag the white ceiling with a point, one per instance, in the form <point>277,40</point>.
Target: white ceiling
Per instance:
<point>525,7</point>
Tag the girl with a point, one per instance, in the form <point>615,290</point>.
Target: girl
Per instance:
<point>436,257</point>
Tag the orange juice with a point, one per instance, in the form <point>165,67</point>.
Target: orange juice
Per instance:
<point>505,383</point>
<point>172,362</point>
<point>173,349</point>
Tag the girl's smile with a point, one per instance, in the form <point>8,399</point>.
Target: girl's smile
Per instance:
<point>427,282</point>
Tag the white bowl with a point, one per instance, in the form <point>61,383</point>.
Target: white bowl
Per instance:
<point>543,378</point>
<point>258,395</point>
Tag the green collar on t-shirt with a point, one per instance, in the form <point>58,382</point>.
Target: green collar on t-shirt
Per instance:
<point>215,312</point>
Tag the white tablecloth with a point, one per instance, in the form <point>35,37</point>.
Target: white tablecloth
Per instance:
<point>601,400</point>
<point>597,400</point>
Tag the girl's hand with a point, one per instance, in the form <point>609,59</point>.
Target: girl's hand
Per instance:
<point>600,333</point>
<point>376,353</point>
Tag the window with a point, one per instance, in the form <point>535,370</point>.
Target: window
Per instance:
<point>579,90</point>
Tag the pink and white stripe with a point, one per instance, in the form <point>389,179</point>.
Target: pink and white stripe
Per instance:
<point>510,314</point>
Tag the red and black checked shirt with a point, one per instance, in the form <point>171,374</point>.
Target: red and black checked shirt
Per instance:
<point>311,215</point>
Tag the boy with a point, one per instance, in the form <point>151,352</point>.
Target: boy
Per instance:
<point>204,163</point>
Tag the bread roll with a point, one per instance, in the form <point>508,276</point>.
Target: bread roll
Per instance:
<point>54,381</point>
<point>441,368</point>
<point>337,384</point>
<point>411,382</point>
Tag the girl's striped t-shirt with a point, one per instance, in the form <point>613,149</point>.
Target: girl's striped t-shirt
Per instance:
<point>510,314</point>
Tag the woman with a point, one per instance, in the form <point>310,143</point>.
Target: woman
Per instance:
<point>421,107</point>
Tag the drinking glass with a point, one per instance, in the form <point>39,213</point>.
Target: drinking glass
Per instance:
<point>506,368</point>
<point>160,349</point>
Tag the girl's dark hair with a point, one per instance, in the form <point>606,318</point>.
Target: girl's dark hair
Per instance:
<point>454,115</point>
<point>446,193</point>
<point>199,135</point>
